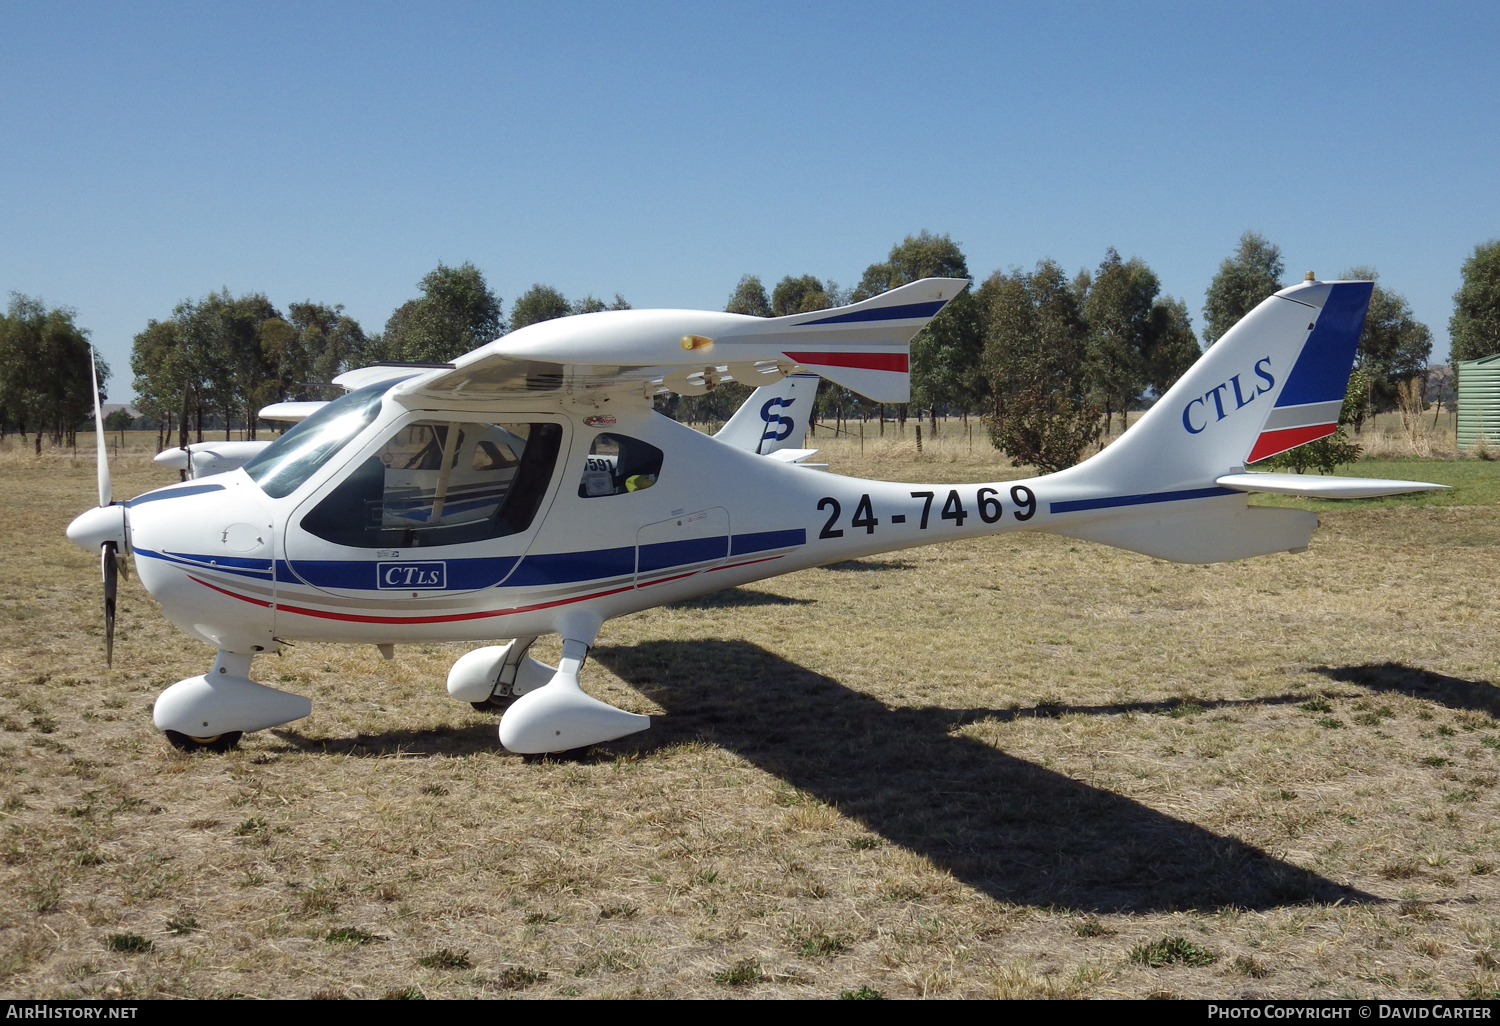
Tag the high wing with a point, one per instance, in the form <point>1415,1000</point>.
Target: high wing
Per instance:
<point>863,347</point>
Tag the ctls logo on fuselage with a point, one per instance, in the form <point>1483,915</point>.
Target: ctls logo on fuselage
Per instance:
<point>1211,405</point>
<point>780,427</point>
<point>411,576</point>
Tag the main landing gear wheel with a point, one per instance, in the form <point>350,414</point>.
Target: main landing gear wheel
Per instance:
<point>495,703</point>
<point>218,743</point>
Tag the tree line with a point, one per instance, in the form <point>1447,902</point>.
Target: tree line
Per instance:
<point>1046,358</point>
<point>45,386</point>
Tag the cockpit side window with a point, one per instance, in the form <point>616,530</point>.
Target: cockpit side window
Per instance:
<point>617,464</point>
<point>439,483</point>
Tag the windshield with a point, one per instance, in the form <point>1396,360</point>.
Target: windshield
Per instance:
<point>292,458</point>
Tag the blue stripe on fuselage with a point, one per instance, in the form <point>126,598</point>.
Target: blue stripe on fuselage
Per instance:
<point>475,574</point>
<point>661,555</point>
<point>761,541</point>
<point>360,574</point>
<point>1078,505</point>
<point>260,568</point>
<point>568,567</point>
<point>172,493</point>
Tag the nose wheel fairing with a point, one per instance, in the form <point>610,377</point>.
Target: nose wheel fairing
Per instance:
<point>225,700</point>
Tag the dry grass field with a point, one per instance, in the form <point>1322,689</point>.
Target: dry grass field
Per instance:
<point>1018,767</point>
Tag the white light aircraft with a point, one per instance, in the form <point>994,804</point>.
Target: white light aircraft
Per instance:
<point>530,488</point>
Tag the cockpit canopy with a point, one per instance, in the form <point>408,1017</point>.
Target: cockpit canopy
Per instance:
<point>290,460</point>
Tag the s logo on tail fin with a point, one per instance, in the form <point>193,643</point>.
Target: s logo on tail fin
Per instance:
<point>779,428</point>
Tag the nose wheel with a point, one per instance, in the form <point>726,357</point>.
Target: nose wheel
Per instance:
<point>217,743</point>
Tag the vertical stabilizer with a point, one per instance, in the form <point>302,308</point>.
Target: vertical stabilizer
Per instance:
<point>1274,381</point>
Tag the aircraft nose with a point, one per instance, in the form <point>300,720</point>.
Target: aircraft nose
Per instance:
<point>92,528</point>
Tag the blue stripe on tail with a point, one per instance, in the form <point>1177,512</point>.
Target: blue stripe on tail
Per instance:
<point>1321,373</point>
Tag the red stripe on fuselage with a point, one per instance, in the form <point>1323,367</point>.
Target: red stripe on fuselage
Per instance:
<point>231,594</point>
<point>865,361</point>
<point>1271,442</point>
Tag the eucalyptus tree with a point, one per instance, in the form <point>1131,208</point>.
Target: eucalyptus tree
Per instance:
<point>1474,327</point>
<point>45,380</point>
<point>1245,278</point>
<point>162,379</point>
<point>536,304</point>
<point>1394,346</point>
<point>1173,344</point>
<point>456,312</point>
<point>593,304</point>
<point>1138,340</point>
<point>1035,355</point>
<point>749,298</point>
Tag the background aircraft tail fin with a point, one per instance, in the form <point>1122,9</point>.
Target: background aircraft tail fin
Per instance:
<point>774,417</point>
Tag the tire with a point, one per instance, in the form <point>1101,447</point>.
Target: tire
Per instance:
<point>218,744</point>
<point>495,703</point>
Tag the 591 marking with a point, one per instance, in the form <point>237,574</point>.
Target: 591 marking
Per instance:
<point>987,503</point>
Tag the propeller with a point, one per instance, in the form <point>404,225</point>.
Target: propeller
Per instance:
<point>105,496</point>
<point>186,473</point>
<point>109,562</point>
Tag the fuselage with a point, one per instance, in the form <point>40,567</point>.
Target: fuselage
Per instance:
<point>241,568</point>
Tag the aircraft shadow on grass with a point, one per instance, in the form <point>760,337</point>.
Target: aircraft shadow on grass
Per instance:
<point>739,598</point>
<point>1453,692</point>
<point>859,566</point>
<point>1010,828</point>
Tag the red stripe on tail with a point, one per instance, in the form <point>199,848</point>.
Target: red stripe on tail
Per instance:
<point>1271,442</point>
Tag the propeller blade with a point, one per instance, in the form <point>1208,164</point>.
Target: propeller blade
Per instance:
<point>102,456</point>
<point>108,568</point>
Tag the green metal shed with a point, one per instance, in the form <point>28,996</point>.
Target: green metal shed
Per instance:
<point>1479,401</point>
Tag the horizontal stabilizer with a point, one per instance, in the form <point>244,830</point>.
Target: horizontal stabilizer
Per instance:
<point>1322,487</point>
<point>1208,536</point>
<point>791,455</point>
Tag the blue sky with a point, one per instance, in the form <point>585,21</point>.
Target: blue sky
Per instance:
<point>153,153</point>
